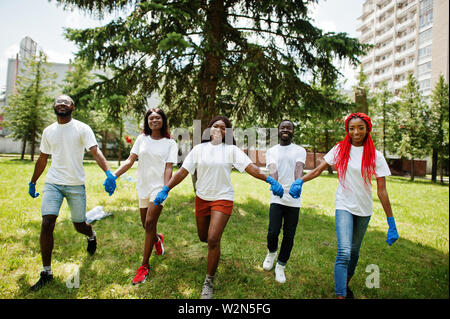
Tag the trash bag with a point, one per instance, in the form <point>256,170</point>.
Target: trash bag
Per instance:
<point>96,213</point>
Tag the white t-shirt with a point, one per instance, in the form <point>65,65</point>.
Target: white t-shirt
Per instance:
<point>356,196</point>
<point>153,156</point>
<point>285,158</point>
<point>66,144</point>
<point>213,164</point>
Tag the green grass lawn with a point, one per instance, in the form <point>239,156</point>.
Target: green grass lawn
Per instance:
<point>416,266</point>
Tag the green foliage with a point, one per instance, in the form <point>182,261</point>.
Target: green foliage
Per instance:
<point>323,131</point>
<point>30,107</point>
<point>249,60</point>
<point>439,110</point>
<point>384,119</point>
<point>412,122</point>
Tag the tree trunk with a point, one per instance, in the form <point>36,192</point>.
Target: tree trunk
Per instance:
<point>412,169</point>
<point>434,162</point>
<point>120,141</point>
<point>330,169</point>
<point>384,130</point>
<point>33,144</point>
<point>24,146</point>
<point>212,65</point>
<point>104,141</point>
<point>441,164</point>
<point>314,156</point>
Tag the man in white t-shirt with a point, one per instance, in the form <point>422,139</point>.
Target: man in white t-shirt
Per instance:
<point>285,162</point>
<point>66,141</point>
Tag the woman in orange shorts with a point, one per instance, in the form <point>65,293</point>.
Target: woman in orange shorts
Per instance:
<point>213,160</point>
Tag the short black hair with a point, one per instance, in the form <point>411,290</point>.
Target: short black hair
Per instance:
<point>286,120</point>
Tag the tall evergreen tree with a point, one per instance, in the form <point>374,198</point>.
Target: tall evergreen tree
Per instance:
<point>29,108</point>
<point>242,59</point>
<point>382,114</point>
<point>413,123</point>
<point>440,125</point>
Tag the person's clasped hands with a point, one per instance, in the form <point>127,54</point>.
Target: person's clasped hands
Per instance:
<point>275,187</point>
<point>110,182</point>
<point>296,188</point>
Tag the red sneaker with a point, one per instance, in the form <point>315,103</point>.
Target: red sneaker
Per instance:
<point>159,245</point>
<point>141,275</point>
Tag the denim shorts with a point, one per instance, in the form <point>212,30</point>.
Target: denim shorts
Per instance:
<point>76,199</point>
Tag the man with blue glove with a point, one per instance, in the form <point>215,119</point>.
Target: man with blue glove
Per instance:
<point>285,162</point>
<point>66,141</point>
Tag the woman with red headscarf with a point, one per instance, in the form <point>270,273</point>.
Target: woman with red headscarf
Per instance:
<point>356,162</point>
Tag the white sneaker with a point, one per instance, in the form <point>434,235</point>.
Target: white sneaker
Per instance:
<point>268,261</point>
<point>279,274</point>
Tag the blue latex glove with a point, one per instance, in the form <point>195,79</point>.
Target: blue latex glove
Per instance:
<point>392,234</point>
<point>110,182</point>
<point>32,190</point>
<point>162,195</point>
<point>296,188</point>
<point>275,187</point>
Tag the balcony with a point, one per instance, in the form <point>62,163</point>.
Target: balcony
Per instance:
<point>398,70</point>
<point>398,85</point>
<point>383,63</point>
<point>386,35</point>
<point>386,8</point>
<point>408,37</point>
<point>401,12</point>
<point>384,50</point>
<point>378,78</point>
<point>411,51</point>
<point>402,26</point>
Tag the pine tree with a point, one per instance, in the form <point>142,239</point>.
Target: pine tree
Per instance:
<point>249,60</point>
<point>382,114</point>
<point>440,120</point>
<point>413,123</point>
<point>29,108</point>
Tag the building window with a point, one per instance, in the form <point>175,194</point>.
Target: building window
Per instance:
<point>425,52</point>
<point>425,84</point>
<point>425,36</point>
<point>424,69</point>
<point>426,13</point>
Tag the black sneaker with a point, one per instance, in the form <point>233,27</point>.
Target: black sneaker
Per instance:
<point>349,294</point>
<point>45,278</point>
<point>92,245</point>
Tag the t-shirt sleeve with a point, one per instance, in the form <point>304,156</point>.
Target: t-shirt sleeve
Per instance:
<point>89,138</point>
<point>189,162</point>
<point>45,146</point>
<point>329,157</point>
<point>240,159</point>
<point>382,168</point>
<point>301,156</point>
<point>173,152</point>
<point>136,146</point>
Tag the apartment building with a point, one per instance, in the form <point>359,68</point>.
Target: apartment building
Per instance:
<point>407,36</point>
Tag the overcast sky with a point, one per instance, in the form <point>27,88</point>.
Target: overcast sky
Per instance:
<point>44,22</point>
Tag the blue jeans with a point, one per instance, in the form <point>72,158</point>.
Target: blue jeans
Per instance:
<point>350,230</point>
<point>76,199</point>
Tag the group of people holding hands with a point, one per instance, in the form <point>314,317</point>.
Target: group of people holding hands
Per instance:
<point>212,161</point>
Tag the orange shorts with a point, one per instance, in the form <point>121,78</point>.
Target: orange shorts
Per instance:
<point>204,207</point>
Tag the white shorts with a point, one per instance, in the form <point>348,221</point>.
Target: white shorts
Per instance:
<point>144,202</point>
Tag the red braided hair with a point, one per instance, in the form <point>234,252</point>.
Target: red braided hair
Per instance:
<point>343,152</point>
